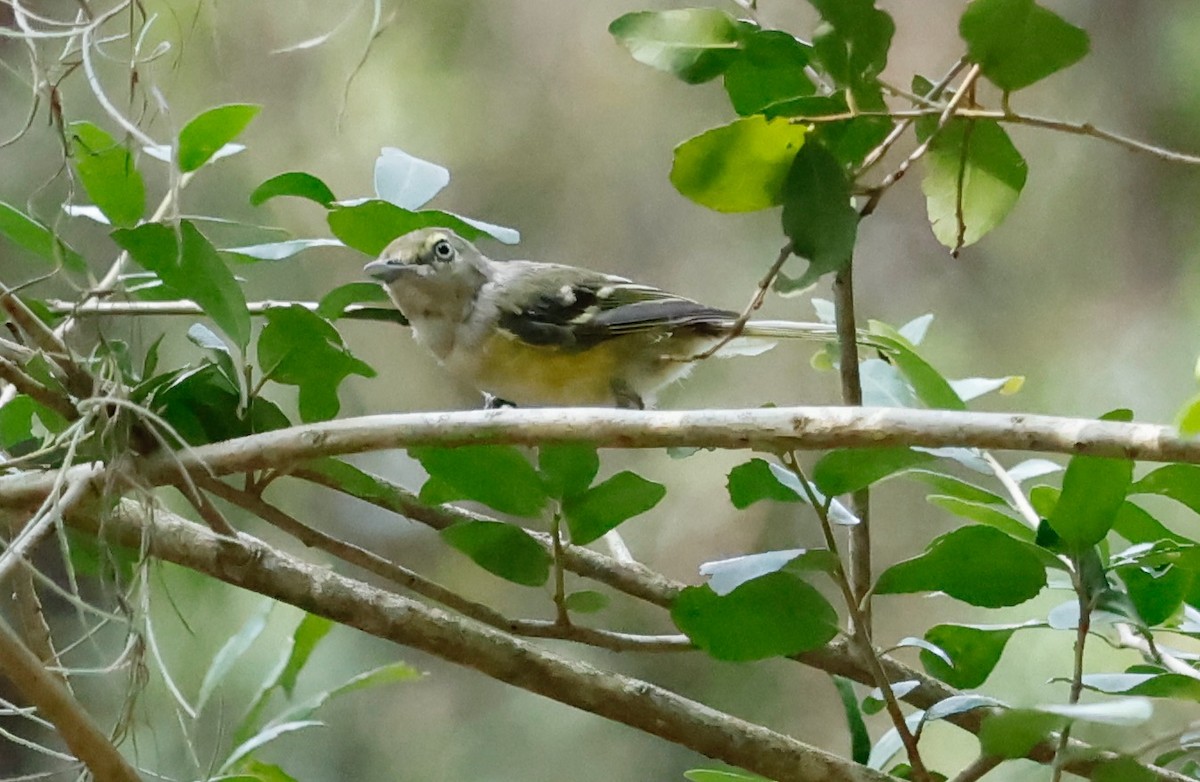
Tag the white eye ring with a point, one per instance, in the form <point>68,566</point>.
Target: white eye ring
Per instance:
<point>443,251</point>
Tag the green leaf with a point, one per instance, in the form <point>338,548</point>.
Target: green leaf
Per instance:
<point>188,263</point>
<point>499,476</point>
<point>108,174</point>
<point>293,183</point>
<point>1151,685</point>
<point>26,232</point>
<point>769,70</point>
<point>606,505</point>
<point>817,214</point>
<point>1188,417</point>
<point>1093,490</point>
<point>695,44</point>
<point>1012,733</point>
<point>1156,594</point>
<point>1180,482</point>
<point>775,615</point>
<point>1123,769</point>
<point>978,565</point>
<point>973,177</point>
<point>1017,42</point>
<point>860,738</point>
<point>739,167</point>
<point>956,487</point>
<point>853,44</point>
<point>984,514</point>
<point>720,775</point>
<point>203,407</point>
<point>223,661</point>
<point>311,630</point>
<point>850,469</point>
<point>973,649</point>
<point>1137,526</point>
<point>299,348</point>
<point>501,549</point>
<point>568,469</point>
<point>753,481</point>
<point>930,386</point>
<point>372,225</point>
<point>587,601</point>
<point>333,304</point>
<point>210,130</point>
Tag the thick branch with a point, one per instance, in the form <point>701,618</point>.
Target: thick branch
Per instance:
<point>249,563</point>
<point>774,430</point>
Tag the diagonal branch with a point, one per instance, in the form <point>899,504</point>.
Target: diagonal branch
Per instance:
<point>251,564</point>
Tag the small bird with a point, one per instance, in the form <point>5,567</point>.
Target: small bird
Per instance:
<point>545,334</point>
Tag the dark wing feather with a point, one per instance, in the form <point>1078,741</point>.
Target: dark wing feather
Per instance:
<point>582,309</point>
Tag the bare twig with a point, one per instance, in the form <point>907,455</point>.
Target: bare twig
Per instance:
<point>978,767</point>
<point>756,301</point>
<point>54,702</point>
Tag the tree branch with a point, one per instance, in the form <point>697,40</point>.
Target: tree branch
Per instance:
<point>251,564</point>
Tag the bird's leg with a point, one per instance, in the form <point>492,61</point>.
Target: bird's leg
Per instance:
<point>492,402</point>
<point>626,398</point>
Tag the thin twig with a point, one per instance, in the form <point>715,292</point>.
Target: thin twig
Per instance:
<point>1081,632</point>
<point>861,635</point>
<point>756,301</point>
<point>978,767</point>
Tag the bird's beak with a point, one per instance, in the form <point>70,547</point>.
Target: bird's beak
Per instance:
<point>384,271</point>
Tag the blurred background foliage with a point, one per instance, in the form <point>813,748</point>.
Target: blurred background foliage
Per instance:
<point>1089,289</point>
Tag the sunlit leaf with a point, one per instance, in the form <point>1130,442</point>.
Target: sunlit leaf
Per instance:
<point>108,173</point>
<point>695,44</point>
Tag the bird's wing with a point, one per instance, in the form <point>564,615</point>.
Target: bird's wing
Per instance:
<point>577,308</point>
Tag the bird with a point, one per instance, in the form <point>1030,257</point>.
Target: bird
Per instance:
<point>532,334</point>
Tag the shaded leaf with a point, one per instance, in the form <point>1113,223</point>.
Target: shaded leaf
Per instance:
<point>568,469</point>
<point>777,614</point>
<point>587,601</point>
<point>499,476</point>
<point>108,174</point>
<point>298,347</point>
<point>850,469</point>
<point>974,651</point>
<point>753,481</point>
<point>860,738</point>
<point>978,565</point>
<point>818,217</point>
<point>293,183</point>
<point>190,265</point>
<point>769,70</point>
<point>853,44</point>
<point>1017,42</point>
<point>371,225</point>
<point>333,305</point>
<point>1093,490</point>
<point>32,235</point>
<point>501,549</point>
<point>207,132</point>
<point>1012,733</point>
<point>604,506</point>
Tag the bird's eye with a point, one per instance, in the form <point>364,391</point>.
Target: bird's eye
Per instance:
<point>443,251</point>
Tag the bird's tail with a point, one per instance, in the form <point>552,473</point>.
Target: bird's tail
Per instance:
<point>759,336</point>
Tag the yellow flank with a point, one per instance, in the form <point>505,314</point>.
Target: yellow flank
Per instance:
<point>547,374</point>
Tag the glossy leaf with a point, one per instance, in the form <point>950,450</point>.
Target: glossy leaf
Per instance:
<point>1012,733</point>
<point>850,469</point>
<point>188,263</point>
<point>108,174</point>
<point>371,225</point>
<point>984,513</point>
<point>973,650</point>
<point>695,44</point>
<point>1093,490</point>
<point>853,45</point>
<point>973,177</point>
<point>569,469</point>
<point>407,181</point>
<point>604,506</point>
<point>293,183</point>
<point>587,601</point>
<point>770,70</point>
<point>499,476</point>
<point>739,167</point>
<point>207,132</point>
<point>978,565</point>
<point>26,232</point>
<point>299,348</point>
<point>753,481</point>
<point>818,217</point>
<point>1017,42</point>
<point>777,614</point>
<point>501,549</point>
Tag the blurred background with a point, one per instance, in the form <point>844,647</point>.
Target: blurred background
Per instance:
<point>1089,290</point>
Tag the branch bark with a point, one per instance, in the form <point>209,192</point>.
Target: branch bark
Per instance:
<point>248,563</point>
<point>773,430</point>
